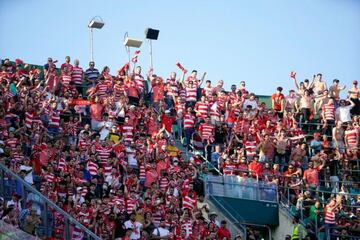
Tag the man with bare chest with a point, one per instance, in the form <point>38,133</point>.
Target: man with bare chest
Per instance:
<point>319,85</point>
<point>354,95</point>
<point>338,137</point>
<point>298,153</point>
<point>335,89</point>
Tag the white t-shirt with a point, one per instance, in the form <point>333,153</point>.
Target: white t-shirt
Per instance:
<point>161,232</point>
<point>106,130</point>
<point>130,152</point>
<point>252,103</point>
<point>136,226</point>
<point>344,113</point>
<point>29,177</point>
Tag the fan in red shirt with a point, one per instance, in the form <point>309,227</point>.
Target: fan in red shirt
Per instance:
<point>167,121</point>
<point>223,232</point>
<point>256,167</point>
<point>278,102</point>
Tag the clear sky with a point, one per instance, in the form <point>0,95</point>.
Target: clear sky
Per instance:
<point>259,41</point>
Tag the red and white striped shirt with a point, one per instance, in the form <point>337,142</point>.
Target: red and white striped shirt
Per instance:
<point>329,216</point>
<point>189,121</point>
<point>188,227</point>
<point>76,75</point>
<point>104,153</point>
<point>54,121</point>
<point>328,112</point>
<point>101,89</point>
<point>191,93</point>
<point>229,169</point>
<point>139,80</point>
<point>206,130</point>
<point>214,110</point>
<point>92,168</point>
<point>202,108</point>
<point>12,142</point>
<point>188,202</point>
<point>62,166</point>
<point>173,85</point>
<point>207,91</point>
<point>50,177</point>
<point>127,132</point>
<point>130,205</point>
<point>65,79</point>
<point>351,137</point>
<point>29,119</point>
<point>164,183</point>
<point>250,147</point>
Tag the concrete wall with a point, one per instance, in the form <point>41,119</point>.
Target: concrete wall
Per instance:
<point>285,225</point>
<point>232,227</point>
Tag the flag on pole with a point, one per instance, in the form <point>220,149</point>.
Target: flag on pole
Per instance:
<point>181,67</point>
<point>134,59</point>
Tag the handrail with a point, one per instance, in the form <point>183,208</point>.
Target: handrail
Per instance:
<point>49,203</point>
<point>242,221</point>
<point>234,220</point>
<point>206,161</point>
<point>317,190</point>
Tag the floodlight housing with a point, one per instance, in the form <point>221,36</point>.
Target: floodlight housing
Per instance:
<point>96,24</point>
<point>132,42</point>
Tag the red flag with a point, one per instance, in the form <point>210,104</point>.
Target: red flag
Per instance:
<point>18,61</point>
<point>124,68</point>
<point>292,74</point>
<point>134,59</point>
<point>181,67</point>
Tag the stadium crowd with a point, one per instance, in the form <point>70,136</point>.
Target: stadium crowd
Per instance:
<point>103,148</point>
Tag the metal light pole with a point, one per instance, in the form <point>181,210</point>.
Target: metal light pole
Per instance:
<point>131,42</point>
<point>151,34</point>
<point>98,23</point>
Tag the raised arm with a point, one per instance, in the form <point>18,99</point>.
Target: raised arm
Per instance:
<point>202,79</point>
<point>296,83</point>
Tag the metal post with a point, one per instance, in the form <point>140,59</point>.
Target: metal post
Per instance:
<point>151,58</point>
<point>316,226</point>
<point>288,198</point>
<point>24,195</point>
<point>270,236</point>
<point>129,62</point>
<point>2,184</point>
<point>46,222</point>
<point>91,44</point>
<point>67,229</point>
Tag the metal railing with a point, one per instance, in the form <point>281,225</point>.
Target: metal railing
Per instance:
<point>296,209</point>
<point>240,187</point>
<point>237,219</point>
<point>52,216</point>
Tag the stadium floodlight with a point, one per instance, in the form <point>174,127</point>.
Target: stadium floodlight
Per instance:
<point>97,23</point>
<point>132,42</point>
<point>129,43</point>
<point>151,34</point>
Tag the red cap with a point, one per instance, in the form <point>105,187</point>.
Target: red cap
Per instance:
<point>317,134</point>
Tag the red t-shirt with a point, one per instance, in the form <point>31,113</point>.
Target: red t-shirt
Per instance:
<point>167,121</point>
<point>278,99</point>
<point>223,233</point>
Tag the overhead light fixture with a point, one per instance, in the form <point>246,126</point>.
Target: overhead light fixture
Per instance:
<point>151,34</point>
<point>96,24</point>
<point>132,42</point>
